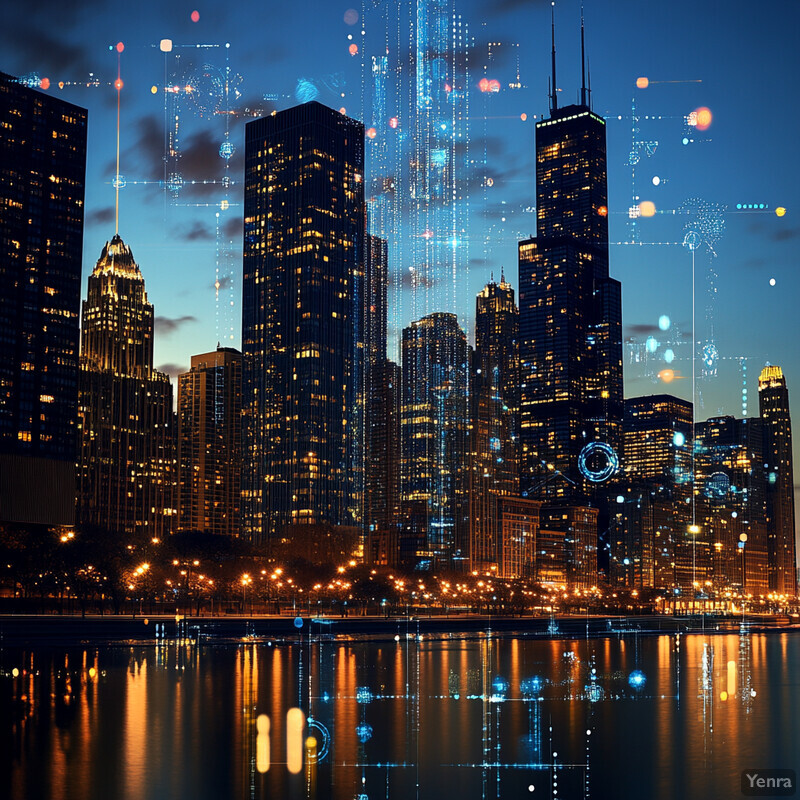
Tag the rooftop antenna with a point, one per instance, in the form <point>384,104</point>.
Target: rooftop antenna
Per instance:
<point>553,95</point>
<point>118,86</point>
<point>583,63</point>
<point>589,91</point>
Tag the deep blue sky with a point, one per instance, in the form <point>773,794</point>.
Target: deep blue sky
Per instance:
<point>743,53</point>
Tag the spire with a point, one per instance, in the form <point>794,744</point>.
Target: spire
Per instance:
<point>553,94</point>
<point>583,63</point>
<point>117,258</point>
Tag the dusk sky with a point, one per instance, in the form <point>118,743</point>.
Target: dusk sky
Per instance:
<point>738,59</point>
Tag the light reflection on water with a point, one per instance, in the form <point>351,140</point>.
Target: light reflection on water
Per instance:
<point>483,717</point>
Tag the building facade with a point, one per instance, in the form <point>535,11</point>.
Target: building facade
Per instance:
<point>42,176</point>
<point>209,443</point>
<point>302,385</point>
<point>435,455</point>
<point>773,400</point>
<point>126,467</point>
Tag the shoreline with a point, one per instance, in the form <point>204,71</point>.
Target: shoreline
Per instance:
<point>26,630</point>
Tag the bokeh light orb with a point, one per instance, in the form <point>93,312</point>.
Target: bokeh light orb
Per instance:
<point>483,84</point>
<point>120,47</point>
<point>669,356</point>
<point>656,180</point>
<point>353,49</point>
<point>371,133</point>
<point>342,110</point>
<point>523,117</point>
<point>394,122</point>
<point>494,86</point>
<point>637,679</point>
<point>772,281</point>
<point>154,90</point>
<point>780,211</point>
<point>226,150</point>
<point>703,118</point>
<point>195,16</point>
<point>678,439</point>
<point>651,345</point>
<point>667,375</point>
<point>118,84</point>
<point>647,208</point>
<point>44,83</point>
<point>642,83</point>
<point>602,211</point>
<point>350,16</point>
<point>664,322</point>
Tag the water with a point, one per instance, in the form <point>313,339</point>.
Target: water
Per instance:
<point>467,718</point>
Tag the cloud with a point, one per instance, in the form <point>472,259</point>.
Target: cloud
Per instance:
<point>101,216</point>
<point>504,6</point>
<point>148,150</point>
<point>198,233</point>
<point>167,325</point>
<point>642,329</point>
<point>232,227</point>
<point>784,234</point>
<point>756,262</point>
<point>173,370</point>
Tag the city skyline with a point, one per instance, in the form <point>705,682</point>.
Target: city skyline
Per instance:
<point>728,389</point>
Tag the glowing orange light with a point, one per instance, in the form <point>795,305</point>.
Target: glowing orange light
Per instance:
<point>342,110</point>
<point>120,47</point>
<point>371,133</point>
<point>44,83</point>
<point>195,16</point>
<point>523,117</point>
<point>602,211</point>
<point>483,84</point>
<point>154,90</point>
<point>61,84</point>
<point>448,88</point>
<point>703,116</point>
<point>118,84</point>
<point>647,208</point>
<point>393,122</point>
<point>667,375</point>
<point>353,49</point>
<point>642,83</point>
<point>494,86</point>
<point>780,211</point>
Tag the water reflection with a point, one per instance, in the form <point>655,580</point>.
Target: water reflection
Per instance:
<point>486,717</point>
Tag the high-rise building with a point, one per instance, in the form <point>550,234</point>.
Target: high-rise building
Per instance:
<point>42,175</point>
<point>495,415</point>
<point>381,415</point>
<point>773,400</point>
<point>126,468</point>
<point>651,513</point>
<point>435,428</point>
<point>304,242</point>
<point>570,315</point>
<point>731,505</point>
<point>209,443</point>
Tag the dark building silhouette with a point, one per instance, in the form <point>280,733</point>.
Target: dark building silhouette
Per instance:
<point>42,175</point>
<point>302,393</point>
<point>435,455</point>
<point>381,415</point>
<point>126,469</point>
<point>209,443</point>
<point>773,400</point>
<point>570,321</point>
<point>495,415</point>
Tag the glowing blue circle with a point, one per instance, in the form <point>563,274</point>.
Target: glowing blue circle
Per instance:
<point>322,736</point>
<point>226,150</point>
<point>664,322</point>
<point>651,344</point>
<point>678,439</point>
<point>637,679</point>
<point>298,622</point>
<point>620,498</point>
<point>692,240</point>
<point>598,451</point>
<point>531,686</point>
<point>119,182</point>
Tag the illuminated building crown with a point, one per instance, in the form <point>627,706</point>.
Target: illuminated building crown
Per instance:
<point>117,258</point>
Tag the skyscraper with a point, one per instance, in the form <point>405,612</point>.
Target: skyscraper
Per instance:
<point>495,415</point>
<point>570,321</point>
<point>209,443</point>
<point>381,415</point>
<point>126,467</point>
<point>42,174</point>
<point>773,401</point>
<point>302,399</point>
<point>435,427</point>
